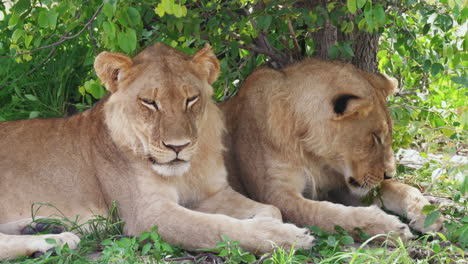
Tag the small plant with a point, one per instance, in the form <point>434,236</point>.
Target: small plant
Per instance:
<point>232,252</point>
<point>147,248</point>
<point>281,256</point>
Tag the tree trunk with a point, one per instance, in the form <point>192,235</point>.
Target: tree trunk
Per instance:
<point>365,52</point>
<point>365,45</point>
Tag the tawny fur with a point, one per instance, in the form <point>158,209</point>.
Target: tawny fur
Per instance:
<point>124,150</point>
<point>287,146</point>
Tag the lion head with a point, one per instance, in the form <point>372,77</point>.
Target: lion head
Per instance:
<point>158,102</point>
<point>340,116</point>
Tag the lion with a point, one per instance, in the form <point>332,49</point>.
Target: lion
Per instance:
<point>153,145</point>
<point>313,139</point>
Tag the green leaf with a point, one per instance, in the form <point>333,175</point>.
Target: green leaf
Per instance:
<point>379,14</point>
<point>166,247</point>
<point>17,34</point>
<point>427,65</point>
<point>159,10</point>
<point>223,253</point>
<point>30,97</point>
<point>82,90</point>
<point>347,51</point>
<point>144,236</point>
<point>97,91</point>
<point>351,6</point>
<point>32,115</point>
<point>106,242</point>
<point>177,10</point>
<point>426,29</point>
<point>347,240</point>
<point>21,6</point>
<point>127,40</point>
<point>184,11</point>
<point>154,236</point>
<point>108,29</point>
<point>13,20</point>
<point>431,218</point>
<point>168,6</point>
<point>27,40</point>
<point>331,241</point>
<point>361,3</point>
<point>436,68</point>
<point>43,19</point>
<point>123,18</point>
<point>464,237</point>
<point>146,248</point>
<point>436,247</point>
<point>52,17</point>
<point>108,10</point>
<point>333,52</point>
<point>134,15</point>
<point>464,185</point>
<point>264,22</point>
<point>368,15</point>
<point>248,258</point>
<point>428,209</point>
<point>460,80</point>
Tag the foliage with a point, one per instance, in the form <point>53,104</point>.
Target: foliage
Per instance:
<point>47,50</point>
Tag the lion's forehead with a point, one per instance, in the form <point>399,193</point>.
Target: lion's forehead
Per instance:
<point>154,77</point>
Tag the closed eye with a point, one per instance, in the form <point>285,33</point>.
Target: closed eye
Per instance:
<point>151,104</point>
<point>191,101</point>
<point>377,139</point>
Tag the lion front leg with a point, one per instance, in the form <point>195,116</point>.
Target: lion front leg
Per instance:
<point>327,215</point>
<point>407,201</point>
<point>193,230</point>
<point>231,203</point>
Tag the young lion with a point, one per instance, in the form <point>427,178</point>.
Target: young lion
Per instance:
<point>153,145</point>
<point>316,134</point>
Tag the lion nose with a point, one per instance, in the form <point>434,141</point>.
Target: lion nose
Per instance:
<point>175,147</point>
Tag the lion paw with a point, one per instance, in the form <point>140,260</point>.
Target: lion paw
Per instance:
<point>269,232</point>
<point>418,224</point>
<point>39,243</point>
<point>374,221</point>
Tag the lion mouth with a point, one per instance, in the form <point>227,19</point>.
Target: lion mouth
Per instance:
<point>175,167</point>
<point>175,161</point>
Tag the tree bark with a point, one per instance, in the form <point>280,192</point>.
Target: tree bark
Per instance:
<point>365,45</point>
<point>365,52</point>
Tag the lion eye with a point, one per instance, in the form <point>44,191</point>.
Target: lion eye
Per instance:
<point>191,101</point>
<point>377,139</point>
<point>151,104</point>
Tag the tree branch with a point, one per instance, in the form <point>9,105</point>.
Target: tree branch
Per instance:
<point>63,38</point>
<point>297,53</point>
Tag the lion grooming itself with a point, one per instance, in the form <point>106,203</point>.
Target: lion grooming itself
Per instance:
<point>314,135</point>
<point>154,145</point>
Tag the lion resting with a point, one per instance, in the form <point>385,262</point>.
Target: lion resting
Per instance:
<point>154,145</point>
<point>314,138</point>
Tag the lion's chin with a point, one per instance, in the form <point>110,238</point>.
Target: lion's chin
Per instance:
<point>169,170</point>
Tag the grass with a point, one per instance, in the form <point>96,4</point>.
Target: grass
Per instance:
<point>103,242</point>
<point>50,91</point>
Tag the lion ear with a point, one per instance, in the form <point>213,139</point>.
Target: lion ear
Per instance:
<point>387,85</point>
<point>109,68</point>
<point>206,60</point>
<point>350,106</point>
